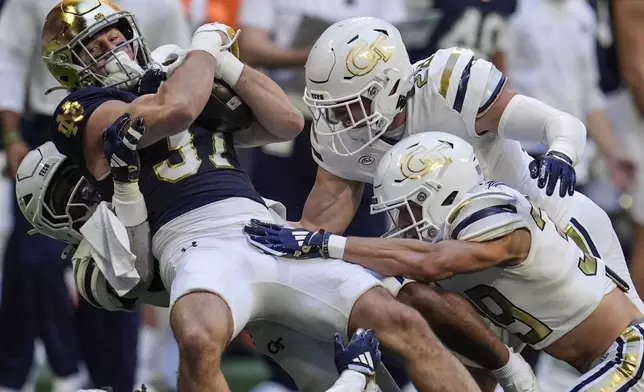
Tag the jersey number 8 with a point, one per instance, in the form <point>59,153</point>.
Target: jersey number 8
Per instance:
<point>190,161</point>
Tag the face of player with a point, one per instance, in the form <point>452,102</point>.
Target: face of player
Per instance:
<point>345,113</point>
<point>405,219</point>
<point>102,43</point>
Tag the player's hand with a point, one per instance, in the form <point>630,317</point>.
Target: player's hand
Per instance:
<point>362,354</point>
<point>150,81</point>
<point>120,141</point>
<point>215,37</point>
<point>278,240</point>
<point>16,152</point>
<point>623,171</point>
<point>553,168</point>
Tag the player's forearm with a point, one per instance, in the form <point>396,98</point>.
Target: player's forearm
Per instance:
<point>332,203</point>
<point>415,259</point>
<point>527,119</point>
<point>349,381</point>
<point>180,99</point>
<point>10,125</point>
<point>270,105</point>
<point>130,208</point>
<point>260,51</point>
<point>600,129</point>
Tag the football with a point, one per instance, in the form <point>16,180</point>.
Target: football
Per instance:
<point>225,110</point>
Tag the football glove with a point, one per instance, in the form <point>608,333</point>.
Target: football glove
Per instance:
<point>278,240</point>
<point>552,168</point>
<point>150,81</point>
<point>362,354</point>
<point>119,145</point>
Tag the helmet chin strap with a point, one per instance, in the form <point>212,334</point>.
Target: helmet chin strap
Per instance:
<point>122,72</point>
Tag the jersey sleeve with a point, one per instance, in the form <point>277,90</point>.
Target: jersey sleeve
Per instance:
<point>468,85</point>
<point>487,212</point>
<point>73,113</point>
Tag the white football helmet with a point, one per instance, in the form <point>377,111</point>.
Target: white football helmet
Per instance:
<point>357,79</point>
<point>53,194</point>
<point>420,179</point>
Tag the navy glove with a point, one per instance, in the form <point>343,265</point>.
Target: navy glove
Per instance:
<point>552,168</point>
<point>119,145</point>
<point>278,240</point>
<point>150,81</point>
<point>362,354</point>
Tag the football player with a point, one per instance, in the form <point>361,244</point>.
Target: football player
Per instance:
<point>198,198</point>
<point>59,202</point>
<point>376,98</point>
<point>496,247</point>
<point>477,25</point>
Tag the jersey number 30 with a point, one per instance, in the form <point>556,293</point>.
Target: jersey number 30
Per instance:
<point>190,161</point>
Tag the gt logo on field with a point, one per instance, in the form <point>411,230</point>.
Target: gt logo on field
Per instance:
<point>363,57</point>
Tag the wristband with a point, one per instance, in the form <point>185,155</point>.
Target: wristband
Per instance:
<point>229,68</point>
<point>336,246</point>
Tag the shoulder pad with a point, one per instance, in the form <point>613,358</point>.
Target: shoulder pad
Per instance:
<point>484,214</point>
<point>70,118</point>
<point>469,85</point>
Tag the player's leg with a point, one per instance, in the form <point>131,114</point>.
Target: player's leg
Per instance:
<point>109,344</point>
<point>211,300</point>
<point>403,330</point>
<point>17,319</point>
<point>323,296</point>
<point>456,323</point>
<point>203,326</point>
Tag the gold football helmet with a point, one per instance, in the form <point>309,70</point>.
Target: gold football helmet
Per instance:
<point>68,28</point>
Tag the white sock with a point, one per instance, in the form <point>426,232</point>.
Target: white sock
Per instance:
<point>516,371</point>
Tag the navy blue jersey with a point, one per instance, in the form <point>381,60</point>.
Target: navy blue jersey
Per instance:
<point>472,24</point>
<point>178,174</point>
<point>610,77</point>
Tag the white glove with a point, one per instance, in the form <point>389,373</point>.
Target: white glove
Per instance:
<point>93,286</point>
<point>208,38</point>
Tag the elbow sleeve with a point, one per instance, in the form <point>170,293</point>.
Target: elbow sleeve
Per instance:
<point>527,119</point>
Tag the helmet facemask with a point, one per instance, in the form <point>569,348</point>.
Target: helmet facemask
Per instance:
<point>69,201</point>
<point>365,115</point>
<point>119,70</point>
<point>412,215</point>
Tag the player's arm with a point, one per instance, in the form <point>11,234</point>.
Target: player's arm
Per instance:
<point>261,51</point>
<point>423,261</point>
<point>414,259</point>
<point>332,203</point>
<point>171,110</point>
<point>276,119</point>
<point>522,118</point>
<point>629,28</point>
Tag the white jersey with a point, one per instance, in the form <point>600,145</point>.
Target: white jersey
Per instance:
<point>451,90</point>
<point>551,292</point>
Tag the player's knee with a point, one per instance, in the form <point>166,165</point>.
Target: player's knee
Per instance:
<point>202,325</point>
